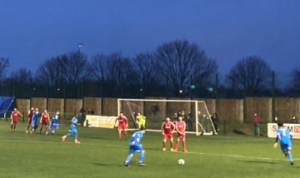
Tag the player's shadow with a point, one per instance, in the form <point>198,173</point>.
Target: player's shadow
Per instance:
<point>103,164</point>
<point>259,162</point>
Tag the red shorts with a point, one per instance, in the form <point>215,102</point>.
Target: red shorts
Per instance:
<point>44,123</point>
<point>14,122</point>
<point>122,127</point>
<point>180,135</point>
<point>166,136</point>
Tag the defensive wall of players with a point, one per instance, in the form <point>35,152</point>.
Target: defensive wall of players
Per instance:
<point>227,109</point>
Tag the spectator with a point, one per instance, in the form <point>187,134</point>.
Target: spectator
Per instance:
<point>175,118</point>
<point>276,119</point>
<point>154,108</point>
<point>179,114</point>
<point>90,112</point>
<point>189,121</point>
<point>81,116</point>
<point>256,121</point>
<point>215,121</point>
<point>294,120</point>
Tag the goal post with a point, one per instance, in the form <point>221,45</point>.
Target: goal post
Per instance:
<point>194,113</point>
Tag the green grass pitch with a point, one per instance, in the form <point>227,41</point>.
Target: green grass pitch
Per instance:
<point>102,154</point>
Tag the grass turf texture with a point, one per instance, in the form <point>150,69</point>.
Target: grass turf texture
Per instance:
<point>102,154</point>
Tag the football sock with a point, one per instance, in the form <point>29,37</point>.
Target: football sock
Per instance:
<point>15,127</point>
<point>164,144</point>
<point>28,127</point>
<point>41,129</point>
<point>128,159</point>
<point>54,130</point>
<point>68,135</point>
<point>120,135</point>
<point>176,144</point>
<point>76,136</point>
<point>290,157</point>
<point>183,144</point>
<point>125,134</point>
<point>142,156</point>
<point>171,143</point>
<point>11,126</point>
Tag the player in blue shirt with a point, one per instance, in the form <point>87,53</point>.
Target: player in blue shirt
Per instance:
<point>73,130</point>
<point>135,146</point>
<point>54,123</point>
<point>284,136</point>
<point>34,122</point>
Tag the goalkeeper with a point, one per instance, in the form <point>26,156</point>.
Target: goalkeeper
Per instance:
<point>141,120</point>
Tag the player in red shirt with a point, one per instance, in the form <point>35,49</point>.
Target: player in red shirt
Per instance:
<point>180,127</point>
<point>167,129</point>
<point>30,115</point>
<point>123,124</point>
<point>44,121</point>
<point>14,119</point>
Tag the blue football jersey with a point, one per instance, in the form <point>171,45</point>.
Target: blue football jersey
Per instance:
<point>54,119</point>
<point>74,122</point>
<point>136,137</point>
<point>36,115</point>
<point>284,135</point>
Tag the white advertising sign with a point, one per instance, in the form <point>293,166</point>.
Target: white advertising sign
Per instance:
<point>293,128</point>
<point>100,121</point>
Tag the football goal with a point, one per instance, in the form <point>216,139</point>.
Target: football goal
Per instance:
<point>194,113</point>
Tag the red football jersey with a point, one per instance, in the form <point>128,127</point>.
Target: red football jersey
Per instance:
<point>180,126</point>
<point>30,114</point>
<point>167,127</point>
<point>45,116</point>
<point>15,115</point>
<point>122,120</point>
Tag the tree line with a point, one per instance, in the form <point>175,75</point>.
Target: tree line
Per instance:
<point>175,69</point>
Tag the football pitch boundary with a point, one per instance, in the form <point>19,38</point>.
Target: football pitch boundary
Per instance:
<point>115,146</point>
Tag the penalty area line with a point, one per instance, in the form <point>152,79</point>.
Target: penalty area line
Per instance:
<point>235,156</point>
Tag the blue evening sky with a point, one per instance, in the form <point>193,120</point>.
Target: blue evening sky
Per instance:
<point>228,30</point>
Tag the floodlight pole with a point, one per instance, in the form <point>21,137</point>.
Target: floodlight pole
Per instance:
<point>79,46</point>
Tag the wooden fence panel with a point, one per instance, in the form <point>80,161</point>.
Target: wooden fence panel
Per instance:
<point>56,104</point>
<point>231,109</point>
<point>92,103</point>
<point>23,106</point>
<point>261,106</point>
<point>73,106</point>
<point>286,108</point>
<point>110,107</point>
<point>40,103</point>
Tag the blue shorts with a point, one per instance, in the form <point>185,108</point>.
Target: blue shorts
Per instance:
<point>34,122</point>
<point>53,126</point>
<point>134,148</point>
<point>286,146</point>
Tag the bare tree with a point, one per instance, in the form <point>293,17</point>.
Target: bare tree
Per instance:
<point>147,74</point>
<point>4,64</point>
<point>294,86</point>
<point>70,67</point>
<point>251,73</point>
<point>115,70</point>
<point>20,82</point>
<point>179,60</point>
<point>23,75</point>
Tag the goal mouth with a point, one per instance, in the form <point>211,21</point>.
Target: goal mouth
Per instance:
<point>194,113</point>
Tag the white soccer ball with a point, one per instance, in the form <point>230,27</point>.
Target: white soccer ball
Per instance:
<point>181,162</point>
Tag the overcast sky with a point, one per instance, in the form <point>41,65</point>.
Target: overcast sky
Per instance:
<point>228,30</point>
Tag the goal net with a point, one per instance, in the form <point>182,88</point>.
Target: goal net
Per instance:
<point>194,113</point>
